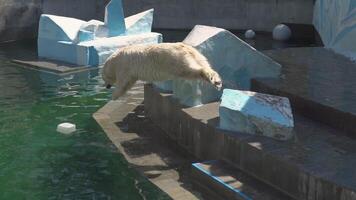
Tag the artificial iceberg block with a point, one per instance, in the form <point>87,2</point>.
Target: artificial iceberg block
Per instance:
<point>91,30</point>
<point>139,23</point>
<point>95,52</point>
<point>55,29</point>
<point>100,49</point>
<point>256,113</point>
<point>114,18</point>
<point>90,43</point>
<point>336,23</point>
<point>58,28</point>
<point>236,62</point>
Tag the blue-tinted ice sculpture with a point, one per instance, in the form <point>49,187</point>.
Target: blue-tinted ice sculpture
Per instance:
<point>256,113</point>
<point>336,24</point>
<point>91,43</point>
<point>236,61</point>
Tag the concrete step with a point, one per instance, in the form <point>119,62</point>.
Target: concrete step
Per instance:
<point>228,182</point>
<point>320,84</point>
<point>318,164</point>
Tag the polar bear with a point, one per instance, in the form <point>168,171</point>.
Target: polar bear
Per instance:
<point>156,62</point>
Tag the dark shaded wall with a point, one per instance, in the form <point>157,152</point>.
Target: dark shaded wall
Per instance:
<point>260,15</point>
<point>19,18</point>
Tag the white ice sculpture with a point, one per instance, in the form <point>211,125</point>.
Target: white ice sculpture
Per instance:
<point>90,43</point>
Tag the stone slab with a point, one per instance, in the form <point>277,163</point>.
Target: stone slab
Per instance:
<point>51,66</point>
<point>256,113</point>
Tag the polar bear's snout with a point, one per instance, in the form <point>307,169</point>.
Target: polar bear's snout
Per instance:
<point>108,86</point>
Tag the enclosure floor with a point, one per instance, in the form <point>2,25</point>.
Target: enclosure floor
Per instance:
<point>146,147</point>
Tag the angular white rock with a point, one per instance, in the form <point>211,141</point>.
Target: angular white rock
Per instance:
<point>139,23</point>
<point>53,29</point>
<point>282,32</point>
<point>114,18</point>
<point>336,23</point>
<point>57,28</point>
<point>236,61</point>
<point>91,30</point>
<point>100,49</point>
<point>256,113</point>
<point>66,128</point>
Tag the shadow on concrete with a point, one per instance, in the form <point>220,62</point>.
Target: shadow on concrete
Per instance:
<point>153,152</point>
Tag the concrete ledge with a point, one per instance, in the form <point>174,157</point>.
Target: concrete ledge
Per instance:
<point>145,147</point>
<point>318,165</point>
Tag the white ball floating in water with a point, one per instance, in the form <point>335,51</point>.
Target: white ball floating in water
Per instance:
<point>281,32</point>
<point>250,34</point>
<point>66,128</point>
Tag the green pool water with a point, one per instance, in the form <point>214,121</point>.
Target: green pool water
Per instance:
<point>36,162</point>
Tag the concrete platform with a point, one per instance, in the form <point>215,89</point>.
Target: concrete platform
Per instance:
<point>229,183</point>
<point>319,83</point>
<point>318,164</point>
<point>25,55</point>
<point>146,147</point>
<point>51,66</point>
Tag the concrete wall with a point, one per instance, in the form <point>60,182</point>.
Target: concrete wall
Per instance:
<point>81,9</point>
<point>19,18</point>
<point>261,15</point>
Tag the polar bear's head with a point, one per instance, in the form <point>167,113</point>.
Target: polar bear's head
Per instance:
<point>109,76</point>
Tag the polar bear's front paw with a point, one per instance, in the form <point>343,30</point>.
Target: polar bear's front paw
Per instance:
<point>213,77</point>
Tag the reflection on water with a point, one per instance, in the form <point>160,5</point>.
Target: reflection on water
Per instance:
<point>36,162</point>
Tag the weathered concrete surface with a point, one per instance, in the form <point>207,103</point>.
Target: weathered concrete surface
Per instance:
<point>261,15</point>
<point>145,146</point>
<point>318,165</point>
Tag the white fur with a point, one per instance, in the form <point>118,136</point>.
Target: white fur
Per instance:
<point>157,62</point>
